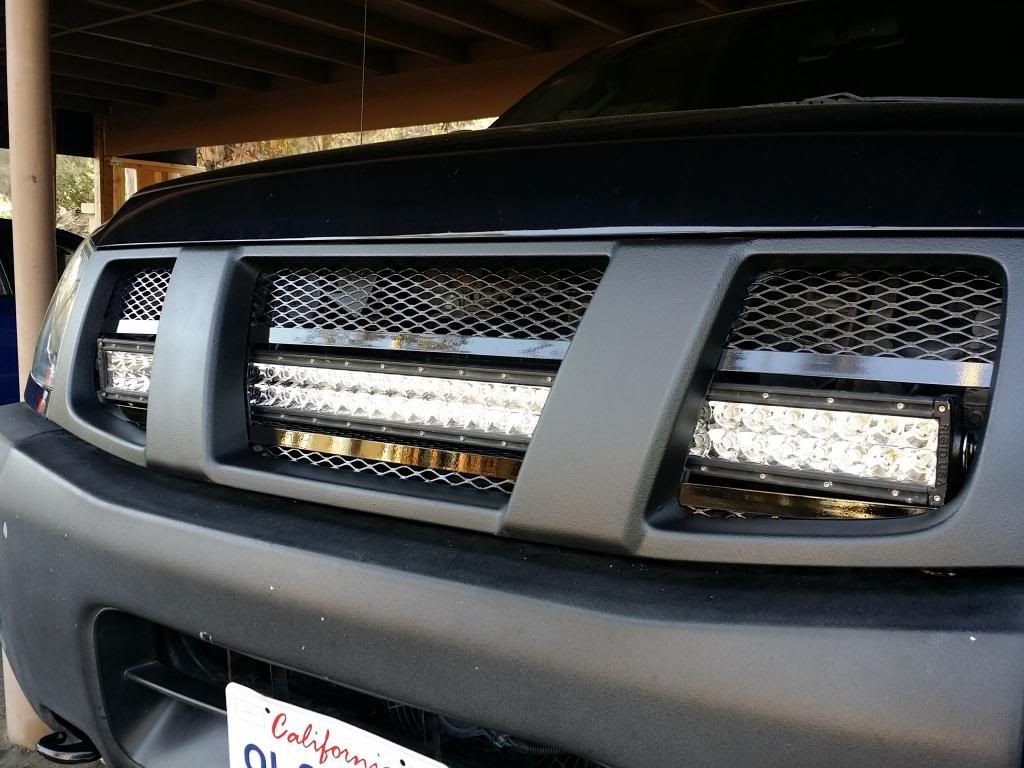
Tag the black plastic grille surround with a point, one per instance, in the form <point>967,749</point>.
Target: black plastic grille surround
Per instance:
<point>140,294</point>
<point>925,314</point>
<point>511,301</point>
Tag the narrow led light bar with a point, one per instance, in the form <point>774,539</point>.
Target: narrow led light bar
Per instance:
<point>880,447</point>
<point>125,371</point>
<point>456,405</point>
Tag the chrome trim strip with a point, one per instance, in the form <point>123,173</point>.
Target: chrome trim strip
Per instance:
<point>788,505</point>
<point>138,327</point>
<point>898,369</point>
<point>536,349</point>
<point>293,417</point>
<point>370,450</point>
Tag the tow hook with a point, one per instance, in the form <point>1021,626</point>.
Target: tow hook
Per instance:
<point>57,748</point>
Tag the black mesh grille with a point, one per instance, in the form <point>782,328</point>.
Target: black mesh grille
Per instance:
<point>140,295</point>
<point>387,469</point>
<point>925,314</point>
<point>535,301</point>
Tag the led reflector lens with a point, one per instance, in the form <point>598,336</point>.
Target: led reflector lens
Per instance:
<point>126,373</point>
<point>901,449</point>
<point>430,402</point>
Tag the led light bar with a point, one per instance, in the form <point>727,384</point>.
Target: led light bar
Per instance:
<point>872,446</point>
<point>481,406</point>
<point>125,369</point>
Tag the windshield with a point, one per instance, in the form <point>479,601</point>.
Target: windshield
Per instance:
<point>793,53</point>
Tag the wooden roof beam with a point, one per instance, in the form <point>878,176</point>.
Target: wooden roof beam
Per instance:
<point>471,90</point>
<point>166,36</point>
<point>602,13</point>
<point>146,8</point>
<point>147,59</point>
<point>484,19</point>
<point>715,6</point>
<point>259,30</point>
<point>337,17</point>
<point>74,86</point>
<point>81,104</point>
<point>112,74</point>
<point>63,100</point>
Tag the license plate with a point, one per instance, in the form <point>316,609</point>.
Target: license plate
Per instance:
<point>266,733</point>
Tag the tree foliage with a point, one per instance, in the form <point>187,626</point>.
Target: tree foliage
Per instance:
<point>252,151</point>
<point>75,182</point>
<point>75,186</point>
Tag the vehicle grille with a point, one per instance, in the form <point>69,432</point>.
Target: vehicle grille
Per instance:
<point>132,320</point>
<point>140,295</point>
<point>509,302</point>
<point>482,318</point>
<point>924,314</point>
<point>863,338</point>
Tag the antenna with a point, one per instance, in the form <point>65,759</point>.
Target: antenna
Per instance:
<point>362,70</point>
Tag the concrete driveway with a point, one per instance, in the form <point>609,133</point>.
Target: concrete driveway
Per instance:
<point>12,757</point>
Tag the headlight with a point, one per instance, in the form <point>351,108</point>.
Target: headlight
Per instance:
<point>55,323</point>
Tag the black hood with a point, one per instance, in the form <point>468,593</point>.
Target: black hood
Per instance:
<point>853,165</point>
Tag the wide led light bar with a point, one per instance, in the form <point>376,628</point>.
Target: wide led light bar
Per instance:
<point>478,406</point>
<point>877,447</point>
<point>125,369</point>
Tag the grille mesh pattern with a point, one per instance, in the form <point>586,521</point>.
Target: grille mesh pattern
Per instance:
<point>140,295</point>
<point>512,302</point>
<point>915,313</point>
<point>386,469</point>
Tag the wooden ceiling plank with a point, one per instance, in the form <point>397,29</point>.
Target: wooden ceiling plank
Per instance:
<point>166,36</point>
<point>253,28</point>
<point>336,17</point>
<point>602,13</point>
<point>153,60</point>
<point>81,104</point>
<point>112,74</point>
<point>484,19</point>
<point>143,8</point>
<point>75,86</point>
<point>715,6</point>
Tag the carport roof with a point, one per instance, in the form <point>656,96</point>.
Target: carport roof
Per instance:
<point>168,74</point>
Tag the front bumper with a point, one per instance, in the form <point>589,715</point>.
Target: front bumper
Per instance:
<point>626,662</point>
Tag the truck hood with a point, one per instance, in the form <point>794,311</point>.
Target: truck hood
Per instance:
<point>919,166</point>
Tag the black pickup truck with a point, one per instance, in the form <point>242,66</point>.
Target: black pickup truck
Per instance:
<point>669,422</point>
